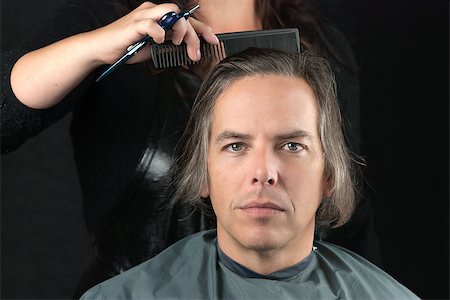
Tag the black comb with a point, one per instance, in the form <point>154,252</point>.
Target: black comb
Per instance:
<point>167,55</point>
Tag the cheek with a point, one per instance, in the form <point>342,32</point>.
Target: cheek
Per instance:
<point>224,183</point>
<point>215,181</point>
<point>306,187</point>
<point>222,179</point>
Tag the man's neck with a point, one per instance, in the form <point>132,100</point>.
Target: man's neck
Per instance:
<point>266,261</point>
<point>229,15</point>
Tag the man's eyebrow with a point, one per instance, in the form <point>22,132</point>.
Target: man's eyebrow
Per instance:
<point>229,134</point>
<point>296,134</point>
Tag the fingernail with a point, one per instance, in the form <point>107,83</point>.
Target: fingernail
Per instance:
<point>199,55</point>
<point>217,39</point>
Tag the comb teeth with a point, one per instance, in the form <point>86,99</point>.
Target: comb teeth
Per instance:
<point>168,55</point>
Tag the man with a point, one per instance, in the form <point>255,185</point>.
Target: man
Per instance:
<point>264,147</point>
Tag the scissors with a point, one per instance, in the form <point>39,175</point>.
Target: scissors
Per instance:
<point>166,22</point>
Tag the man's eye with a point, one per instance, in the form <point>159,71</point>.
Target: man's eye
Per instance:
<point>235,147</point>
<point>293,147</point>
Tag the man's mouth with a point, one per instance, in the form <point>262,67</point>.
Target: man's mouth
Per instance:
<point>261,208</point>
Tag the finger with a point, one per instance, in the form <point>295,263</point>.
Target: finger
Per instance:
<point>146,5</point>
<point>155,12</point>
<point>205,31</point>
<point>192,42</point>
<point>151,27</point>
<point>179,30</point>
<point>148,14</point>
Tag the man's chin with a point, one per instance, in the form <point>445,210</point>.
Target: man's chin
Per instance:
<point>262,240</point>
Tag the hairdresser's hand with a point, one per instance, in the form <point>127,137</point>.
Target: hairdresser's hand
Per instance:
<point>41,78</point>
<point>117,36</point>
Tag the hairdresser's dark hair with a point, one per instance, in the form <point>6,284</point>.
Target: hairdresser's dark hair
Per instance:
<point>190,170</point>
<point>276,14</point>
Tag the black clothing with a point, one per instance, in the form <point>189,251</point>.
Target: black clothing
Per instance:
<point>124,131</point>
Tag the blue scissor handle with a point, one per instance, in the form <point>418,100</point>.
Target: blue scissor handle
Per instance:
<point>166,22</point>
<point>170,18</point>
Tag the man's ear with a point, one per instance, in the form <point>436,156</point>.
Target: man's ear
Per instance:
<point>328,186</point>
<point>204,193</point>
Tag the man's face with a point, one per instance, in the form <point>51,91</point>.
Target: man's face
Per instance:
<point>265,164</point>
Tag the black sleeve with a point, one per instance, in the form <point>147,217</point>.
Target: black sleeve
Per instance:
<point>18,122</point>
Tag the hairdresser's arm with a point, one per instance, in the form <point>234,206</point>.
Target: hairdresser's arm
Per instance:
<point>41,78</point>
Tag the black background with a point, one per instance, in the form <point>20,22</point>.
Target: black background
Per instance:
<point>402,50</point>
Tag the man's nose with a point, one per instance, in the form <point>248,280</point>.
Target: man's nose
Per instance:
<point>264,168</point>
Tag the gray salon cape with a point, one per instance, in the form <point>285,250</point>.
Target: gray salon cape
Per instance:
<point>190,269</point>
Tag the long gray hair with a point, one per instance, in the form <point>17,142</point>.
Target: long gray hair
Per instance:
<point>190,173</point>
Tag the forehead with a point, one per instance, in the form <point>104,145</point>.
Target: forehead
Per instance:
<point>268,102</point>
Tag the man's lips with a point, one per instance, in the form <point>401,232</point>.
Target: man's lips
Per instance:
<point>261,208</point>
